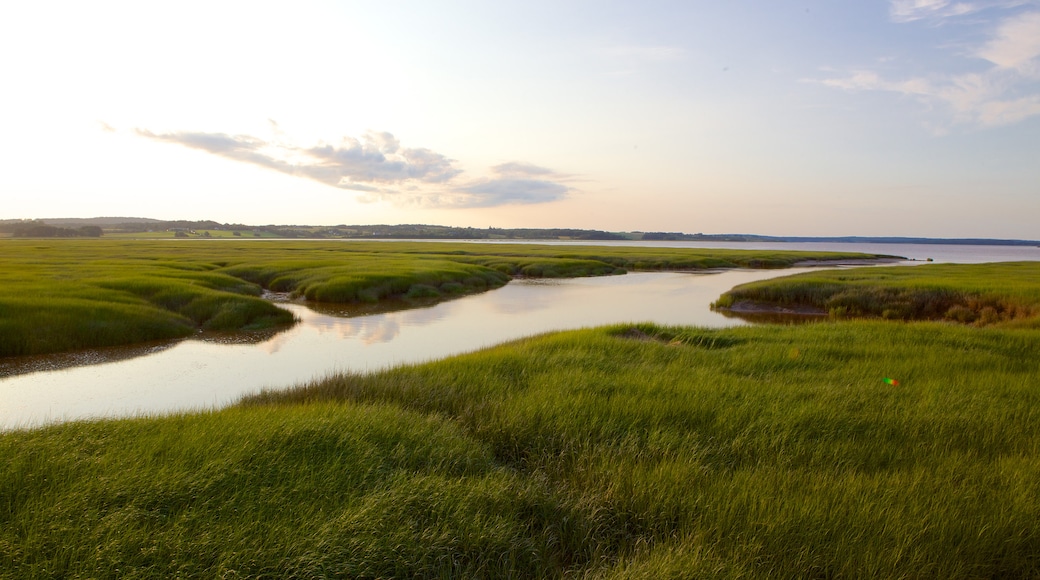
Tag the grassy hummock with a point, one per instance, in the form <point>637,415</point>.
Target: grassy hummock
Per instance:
<point>60,295</point>
<point>633,451</point>
<point>1005,293</point>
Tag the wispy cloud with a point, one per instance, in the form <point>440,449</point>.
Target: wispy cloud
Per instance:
<point>937,11</point>
<point>517,183</point>
<point>911,10</point>
<point>1004,91</point>
<point>377,159</point>
<point>378,166</point>
<point>1015,45</point>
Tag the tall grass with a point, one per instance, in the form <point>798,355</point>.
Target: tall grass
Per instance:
<point>357,491</point>
<point>628,451</point>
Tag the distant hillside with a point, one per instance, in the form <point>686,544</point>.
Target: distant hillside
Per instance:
<point>97,221</point>
<point>40,229</point>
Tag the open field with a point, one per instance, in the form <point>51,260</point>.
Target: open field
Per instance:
<point>859,448</point>
<point>59,295</point>
<point>1007,293</point>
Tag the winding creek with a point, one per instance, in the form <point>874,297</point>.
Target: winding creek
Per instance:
<point>215,371</point>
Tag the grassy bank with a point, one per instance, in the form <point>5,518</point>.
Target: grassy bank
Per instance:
<point>979,294</point>
<point>626,452</point>
<point>58,295</point>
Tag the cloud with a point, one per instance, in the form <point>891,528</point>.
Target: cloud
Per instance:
<point>516,168</point>
<point>1009,112</point>
<point>937,11</point>
<point>910,10</point>
<point>981,99</point>
<point>1016,44</point>
<point>495,192</point>
<point>379,167</point>
<point>511,183</point>
<point>1003,93</point>
<point>351,164</point>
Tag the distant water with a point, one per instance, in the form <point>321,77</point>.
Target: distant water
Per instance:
<point>215,371</point>
<point>944,253</point>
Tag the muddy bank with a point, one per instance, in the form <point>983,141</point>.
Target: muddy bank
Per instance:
<point>765,313</point>
<point>752,307</point>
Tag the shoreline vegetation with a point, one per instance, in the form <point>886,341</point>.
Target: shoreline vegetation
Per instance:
<point>59,295</point>
<point>854,448</point>
<point>1003,294</point>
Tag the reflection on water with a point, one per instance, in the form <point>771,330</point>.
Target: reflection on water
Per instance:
<point>368,309</point>
<point>20,365</point>
<point>773,317</point>
<point>214,371</point>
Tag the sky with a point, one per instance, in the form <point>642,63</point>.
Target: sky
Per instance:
<point>810,118</point>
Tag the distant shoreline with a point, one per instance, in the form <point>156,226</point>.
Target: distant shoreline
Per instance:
<point>119,227</point>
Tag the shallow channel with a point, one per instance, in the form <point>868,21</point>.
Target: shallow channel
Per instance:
<point>207,373</point>
<point>213,372</point>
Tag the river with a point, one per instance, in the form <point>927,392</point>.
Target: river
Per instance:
<point>213,371</point>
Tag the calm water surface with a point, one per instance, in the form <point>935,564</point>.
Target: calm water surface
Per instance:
<point>206,373</point>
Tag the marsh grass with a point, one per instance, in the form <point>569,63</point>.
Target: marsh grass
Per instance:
<point>979,294</point>
<point>59,295</point>
<point>632,451</point>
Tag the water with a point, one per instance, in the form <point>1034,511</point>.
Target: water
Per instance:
<point>215,371</point>
<point>939,253</point>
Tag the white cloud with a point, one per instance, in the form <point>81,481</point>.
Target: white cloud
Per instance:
<point>524,170</point>
<point>1004,93</point>
<point>936,11</point>
<point>1008,112</point>
<point>984,100</point>
<point>1016,44</point>
<point>378,166</point>
<point>911,10</point>
<point>495,192</point>
<point>516,182</point>
<point>377,159</point>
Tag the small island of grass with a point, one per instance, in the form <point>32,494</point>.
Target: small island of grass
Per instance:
<point>1006,293</point>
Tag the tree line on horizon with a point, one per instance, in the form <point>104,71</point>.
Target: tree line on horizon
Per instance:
<point>40,229</point>
<point>94,227</point>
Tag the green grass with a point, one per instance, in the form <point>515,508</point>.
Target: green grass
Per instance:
<point>58,295</point>
<point>980,294</point>
<point>633,451</point>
